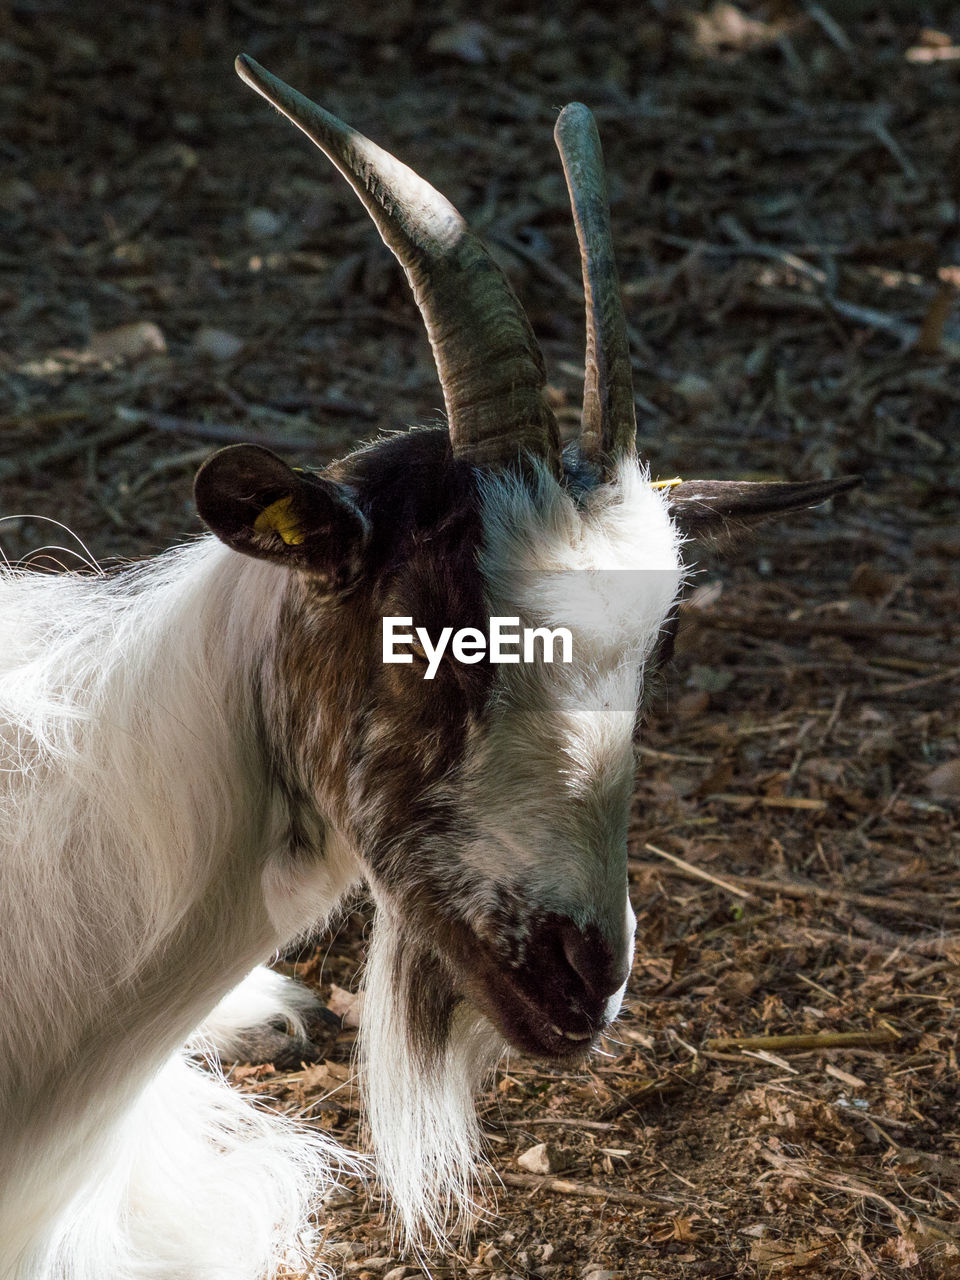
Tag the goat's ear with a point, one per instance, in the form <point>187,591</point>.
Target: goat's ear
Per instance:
<point>721,510</point>
<point>256,504</point>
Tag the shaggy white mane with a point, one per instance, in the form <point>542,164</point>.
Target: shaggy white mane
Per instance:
<point>135,826</point>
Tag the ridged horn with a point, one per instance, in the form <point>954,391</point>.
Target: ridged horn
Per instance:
<point>609,423</point>
<point>490,366</point>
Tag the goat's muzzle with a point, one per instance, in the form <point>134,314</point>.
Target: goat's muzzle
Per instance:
<point>551,998</point>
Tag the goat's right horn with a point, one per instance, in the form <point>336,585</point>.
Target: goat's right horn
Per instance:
<point>490,366</point>
<point>609,424</point>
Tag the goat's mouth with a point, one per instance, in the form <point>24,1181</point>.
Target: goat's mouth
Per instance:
<point>531,1025</point>
<point>544,997</point>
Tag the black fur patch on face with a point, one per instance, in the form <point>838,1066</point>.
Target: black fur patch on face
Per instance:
<point>373,741</point>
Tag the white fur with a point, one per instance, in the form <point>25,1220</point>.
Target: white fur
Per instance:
<point>554,774</point>
<point>556,560</point>
<point>615,1003</point>
<point>261,997</point>
<point>421,1113</point>
<point>136,838</point>
<point>193,1181</point>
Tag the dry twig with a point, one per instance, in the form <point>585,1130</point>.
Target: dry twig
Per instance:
<point>804,1043</point>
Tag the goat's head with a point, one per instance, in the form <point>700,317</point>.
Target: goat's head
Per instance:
<point>489,805</point>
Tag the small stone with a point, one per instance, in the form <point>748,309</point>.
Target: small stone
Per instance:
<point>544,1158</point>
<point>737,985</point>
<point>15,193</point>
<point>397,1273</point>
<point>218,344</point>
<point>467,41</point>
<point>691,705</point>
<point>710,679</point>
<point>943,782</point>
<point>187,122</point>
<point>870,583</point>
<point>340,1249</point>
<point>880,745</point>
<point>262,224</point>
<point>697,391</point>
<point>128,342</point>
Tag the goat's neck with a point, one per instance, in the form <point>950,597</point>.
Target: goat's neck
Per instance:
<point>152,840</point>
<point>261,866</point>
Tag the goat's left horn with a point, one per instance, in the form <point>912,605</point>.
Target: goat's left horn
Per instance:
<point>490,366</point>
<point>609,424</point>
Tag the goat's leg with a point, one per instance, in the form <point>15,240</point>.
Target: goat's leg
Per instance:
<point>191,1181</point>
<point>268,1018</point>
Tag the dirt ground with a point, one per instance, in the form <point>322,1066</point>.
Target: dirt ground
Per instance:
<point>178,268</point>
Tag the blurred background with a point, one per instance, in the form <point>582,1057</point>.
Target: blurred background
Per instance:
<point>784,176</point>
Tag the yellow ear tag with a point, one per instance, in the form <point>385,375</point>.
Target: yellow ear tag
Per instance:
<point>279,518</point>
<point>665,484</point>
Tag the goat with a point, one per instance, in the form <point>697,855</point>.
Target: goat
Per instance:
<point>203,753</point>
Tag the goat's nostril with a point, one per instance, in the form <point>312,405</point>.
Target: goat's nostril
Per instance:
<point>591,957</point>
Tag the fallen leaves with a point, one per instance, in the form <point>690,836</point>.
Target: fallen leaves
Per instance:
<point>347,1005</point>
<point>782,1255</point>
<point>680,1228</point>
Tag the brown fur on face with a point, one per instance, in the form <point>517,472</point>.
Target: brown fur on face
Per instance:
<point>368,741</point>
